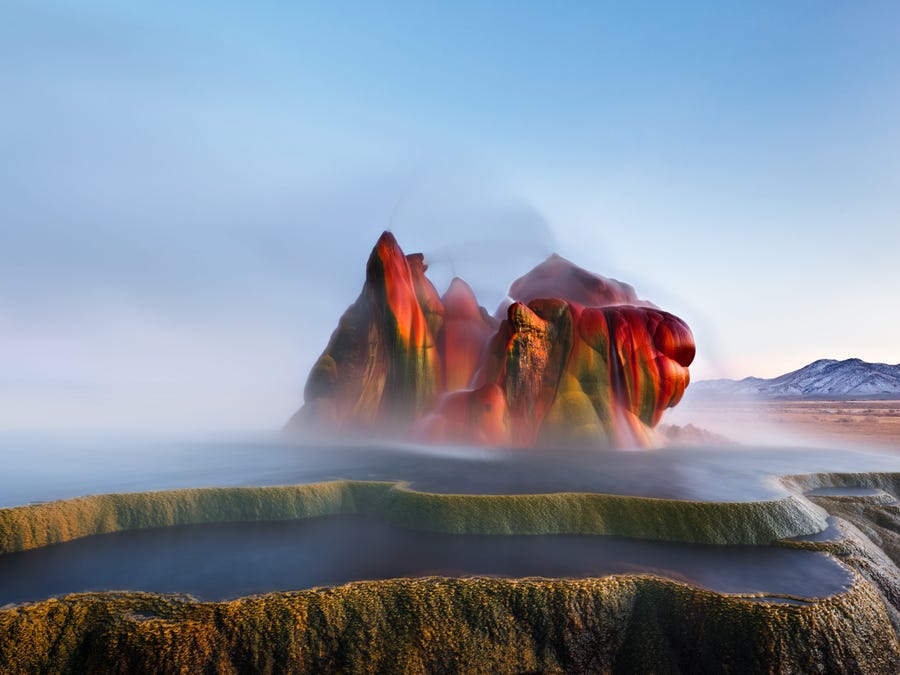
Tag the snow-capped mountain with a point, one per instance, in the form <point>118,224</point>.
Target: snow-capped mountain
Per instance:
<point>826,378</point>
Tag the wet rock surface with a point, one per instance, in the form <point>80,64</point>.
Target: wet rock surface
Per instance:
<point>615,624</point>
<point>622,623</point>
<point>574,358</point>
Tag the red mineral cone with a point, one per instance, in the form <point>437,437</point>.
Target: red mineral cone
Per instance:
<point>577,359</point>
<point>381,368</point>
<point>468,416</point>
<point>464,336</point>
<point>559,278</point>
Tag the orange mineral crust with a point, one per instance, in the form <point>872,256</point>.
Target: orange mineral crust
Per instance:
<point>577,359</point>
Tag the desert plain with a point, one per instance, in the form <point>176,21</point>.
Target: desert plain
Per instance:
<point>867,423</point>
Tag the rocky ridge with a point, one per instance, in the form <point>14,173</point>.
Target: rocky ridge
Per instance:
<point>822,379</point>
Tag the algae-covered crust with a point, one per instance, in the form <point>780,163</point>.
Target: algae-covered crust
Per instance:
<point>623,624</point>
<point>32,526</point>
<point>628,624</point>
<point>36,525</point>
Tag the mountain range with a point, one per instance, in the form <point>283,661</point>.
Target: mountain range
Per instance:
<point>822,379</point>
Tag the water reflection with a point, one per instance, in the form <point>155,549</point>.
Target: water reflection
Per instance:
<point>221,561</point>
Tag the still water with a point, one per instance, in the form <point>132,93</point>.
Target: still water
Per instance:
<point>221,561</point>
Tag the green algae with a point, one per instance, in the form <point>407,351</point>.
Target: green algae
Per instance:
<point>628,624</point>
<point>621,624</point>
<point>587,513</point>
<point>32,526</point>
<point>36,525</point>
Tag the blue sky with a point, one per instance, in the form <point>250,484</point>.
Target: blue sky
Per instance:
<point>188,191</point>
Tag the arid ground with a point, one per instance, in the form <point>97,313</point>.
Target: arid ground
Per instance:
<point>869,423</point>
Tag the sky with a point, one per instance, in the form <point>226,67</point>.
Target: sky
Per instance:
<point>189,190</point>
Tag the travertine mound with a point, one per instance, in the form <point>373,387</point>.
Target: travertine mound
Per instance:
<point>623,624</point>
<point>626,624</point>
<point>574,358</point>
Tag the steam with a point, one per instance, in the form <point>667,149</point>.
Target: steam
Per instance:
<point>209,314</point>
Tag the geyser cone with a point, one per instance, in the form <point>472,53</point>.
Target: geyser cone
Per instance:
<point>557,277</point>
<point>380,368</point>
<point>465,332</point>
<point>578,359</point>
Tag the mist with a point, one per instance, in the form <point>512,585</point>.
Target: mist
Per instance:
<point>188,193</point>
<point>207,315</point>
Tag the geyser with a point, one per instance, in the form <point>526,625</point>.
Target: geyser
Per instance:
<point>571,358</point>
